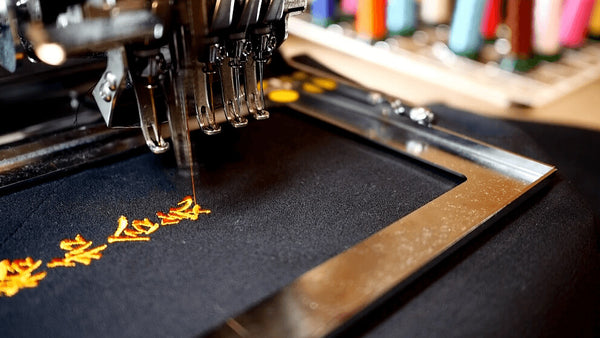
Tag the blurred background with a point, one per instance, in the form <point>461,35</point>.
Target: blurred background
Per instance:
<point>533,60</point>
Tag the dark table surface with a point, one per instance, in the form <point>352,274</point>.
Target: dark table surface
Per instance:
<point>286,194</point>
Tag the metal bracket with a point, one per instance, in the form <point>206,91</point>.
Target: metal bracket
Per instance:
<point>112,82</point>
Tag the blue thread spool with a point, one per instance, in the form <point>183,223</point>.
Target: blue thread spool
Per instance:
<point>465,36</point>
<point>322,12</point>
<point>401,17</point>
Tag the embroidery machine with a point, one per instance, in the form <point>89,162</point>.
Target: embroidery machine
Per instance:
<point>175,59</point>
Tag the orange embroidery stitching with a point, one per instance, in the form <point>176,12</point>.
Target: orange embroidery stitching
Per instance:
<point>144,226</point>
<point>76,252</point>
<point>17,275</point>
<point>182,212</point>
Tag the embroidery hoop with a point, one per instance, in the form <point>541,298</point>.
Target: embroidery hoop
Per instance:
<point>332,294</point>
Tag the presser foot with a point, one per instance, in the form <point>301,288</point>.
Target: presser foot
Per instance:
<point>148,119</point>
<point>146,83</point>
<point>234,102</point>
<point>204,97</point>
<point>254,96</point>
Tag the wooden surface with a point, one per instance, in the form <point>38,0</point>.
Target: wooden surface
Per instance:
<point>580,108</point>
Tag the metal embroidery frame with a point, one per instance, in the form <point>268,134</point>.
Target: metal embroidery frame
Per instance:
<point>332,294</point>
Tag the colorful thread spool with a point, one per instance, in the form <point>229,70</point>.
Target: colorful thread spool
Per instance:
<point>401,17</point>
<point>546,27</point>
<point>574,22</point>
<point>465,37</point>
<point>370,19</point>
<point>492,16</point>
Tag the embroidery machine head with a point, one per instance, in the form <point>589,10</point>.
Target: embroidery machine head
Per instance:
<point>179,60</point>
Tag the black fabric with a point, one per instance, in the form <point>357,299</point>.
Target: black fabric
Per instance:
<point>286,194</point>
<point>574,151</point>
